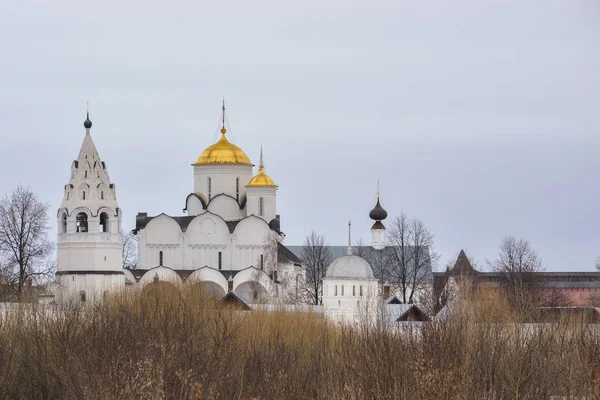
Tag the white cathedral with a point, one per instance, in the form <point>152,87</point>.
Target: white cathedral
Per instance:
<point>229,240</point>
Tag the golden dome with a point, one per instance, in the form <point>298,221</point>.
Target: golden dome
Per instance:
<point>261,179</point>
<point>223,152</point>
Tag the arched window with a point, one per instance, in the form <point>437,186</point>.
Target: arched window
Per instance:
<point>103,222</point>
<point>335,290</point>
<point>262,261</point>
<point>102,195</point>
<point>82,222</point>
<point>354,290</point>
<point>209,188</point>
<point>64,223</point>
<point>342,290</point>
<point>237,189</point>
<point>220,260</point>
<point>261,206</point>
<point>160,258</point>
<point>361,291</point>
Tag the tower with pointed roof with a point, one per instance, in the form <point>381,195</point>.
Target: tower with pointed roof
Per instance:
<point>89,243</point>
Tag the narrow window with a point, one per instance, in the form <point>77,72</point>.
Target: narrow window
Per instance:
<point>261,208</point>
<point>160,258</point>
<point>103,222</point>
<point>84,195</point>
<point>102,195</point>
<point>354,290</point>
<point>335,290</point>
<point>342,290</point>
<point>209,189</point>
<point>237,189</point>
<point>68,195</point>
<point>220,260</point>
<point>64,223</point>
<point>262,261</point>
<point>82,222</point>
<point>82,295</point>
<point>85,173</point>
<point>361,291</point>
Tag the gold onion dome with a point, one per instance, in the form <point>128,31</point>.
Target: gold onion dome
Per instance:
<point>261,179</point>
<point>223,152</point>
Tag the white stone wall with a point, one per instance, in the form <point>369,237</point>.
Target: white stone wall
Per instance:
<point>378,238</point>
<point>269,196</point>
<point>347,305</point>
<point>206,235</point>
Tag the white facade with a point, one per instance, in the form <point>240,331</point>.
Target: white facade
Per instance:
<point>350,291</point>
<point>89,229</point>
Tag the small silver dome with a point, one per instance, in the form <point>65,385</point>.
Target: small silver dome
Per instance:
<point>353,267</point>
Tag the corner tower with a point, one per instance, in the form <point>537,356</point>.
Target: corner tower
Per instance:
<point>89,244</point>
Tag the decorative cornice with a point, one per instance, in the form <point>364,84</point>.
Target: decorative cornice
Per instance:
<point>162,245</point>
<point>222,168</point>
<point>207,246</point>
<point>90,272</point>
<point>69,245</point>
<point>251,246</point>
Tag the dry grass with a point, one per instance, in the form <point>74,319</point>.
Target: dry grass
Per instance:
<point>133,347</point>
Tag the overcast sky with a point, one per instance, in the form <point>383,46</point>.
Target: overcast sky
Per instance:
<point>481,120</point>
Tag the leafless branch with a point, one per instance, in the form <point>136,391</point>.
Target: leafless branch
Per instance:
<point>316,257</point>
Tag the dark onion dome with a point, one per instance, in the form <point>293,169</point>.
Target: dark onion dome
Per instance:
<point>378,225</point>
<point>378,213</point>
<point>87,123</point>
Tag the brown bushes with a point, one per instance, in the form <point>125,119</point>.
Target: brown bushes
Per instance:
<point>135,347</point>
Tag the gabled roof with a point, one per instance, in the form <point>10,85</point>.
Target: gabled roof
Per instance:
<point>236,297</point>
<point>392,300</point>
<point>397,312</point>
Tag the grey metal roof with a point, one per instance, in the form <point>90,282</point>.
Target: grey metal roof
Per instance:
<point>368,252</point>
<point>285,255</point>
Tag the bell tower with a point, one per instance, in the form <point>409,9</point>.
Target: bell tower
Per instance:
<point>89,243</point>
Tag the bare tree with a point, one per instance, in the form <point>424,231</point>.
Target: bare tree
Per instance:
<point>130,250</point>
<point>520,263</point>
<point>24,242</point>
<point>555,297</point>
<point>411,257</point>
<point>316,257</point>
